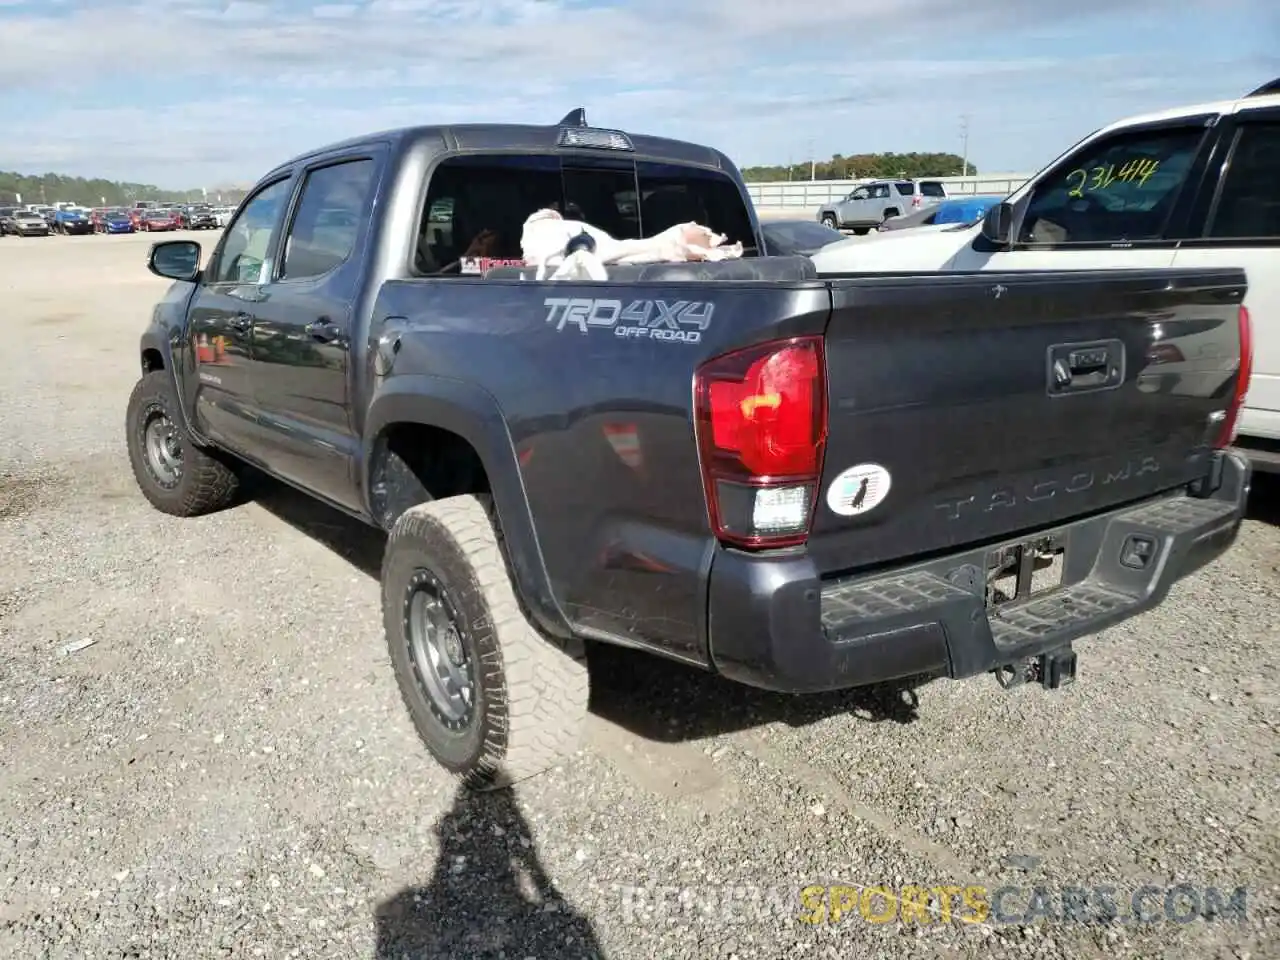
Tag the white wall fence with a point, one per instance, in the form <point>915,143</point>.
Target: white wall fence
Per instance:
<point>814,193</point>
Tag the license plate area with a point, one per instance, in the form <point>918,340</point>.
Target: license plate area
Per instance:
<point>1018,572</point>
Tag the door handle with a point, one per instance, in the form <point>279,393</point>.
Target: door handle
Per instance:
<point>241,322</point>
<point>323,329</point>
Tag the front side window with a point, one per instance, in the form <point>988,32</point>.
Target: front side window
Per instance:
<point>476,206</point>
<point>1248,207</point>
<point>335,200</point>
<point>1118,189</point>
<point>247,242</point>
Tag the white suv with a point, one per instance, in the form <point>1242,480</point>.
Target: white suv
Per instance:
<point>873,203</point>
<point>1196,186</point>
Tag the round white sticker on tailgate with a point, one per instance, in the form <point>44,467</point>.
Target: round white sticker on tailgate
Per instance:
<point>858,489</point>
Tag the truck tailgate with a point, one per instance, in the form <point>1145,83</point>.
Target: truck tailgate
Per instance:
<point>976,407</point>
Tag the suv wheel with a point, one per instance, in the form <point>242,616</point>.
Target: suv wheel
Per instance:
<point>492,699</point>
<point>829,220</point>
<point>176,476</point>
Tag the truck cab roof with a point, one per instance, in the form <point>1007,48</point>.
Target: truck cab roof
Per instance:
<point>527,138</point>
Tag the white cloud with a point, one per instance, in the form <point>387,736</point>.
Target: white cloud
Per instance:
<point>334,11</point>
<point>759,78</point>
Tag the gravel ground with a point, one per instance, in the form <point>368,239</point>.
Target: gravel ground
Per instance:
<point>227,770</point>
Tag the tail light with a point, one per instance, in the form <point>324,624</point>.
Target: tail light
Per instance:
<point>917,201</point>
<point>761,422</point>
<point>1231,422</point>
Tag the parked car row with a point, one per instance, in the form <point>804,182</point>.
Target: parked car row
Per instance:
<point>41,222</point>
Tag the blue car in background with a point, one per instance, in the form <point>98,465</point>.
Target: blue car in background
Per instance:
<point>117,222</point>
<point>72,222</point>
<point>952,210</point>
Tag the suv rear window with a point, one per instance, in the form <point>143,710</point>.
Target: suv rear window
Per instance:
<point>476,206</point>
<point>931,188</point>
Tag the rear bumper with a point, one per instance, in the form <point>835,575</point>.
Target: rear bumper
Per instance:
<point>774,624</point>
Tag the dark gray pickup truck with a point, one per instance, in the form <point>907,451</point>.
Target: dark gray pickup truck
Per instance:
<point>801,483</point>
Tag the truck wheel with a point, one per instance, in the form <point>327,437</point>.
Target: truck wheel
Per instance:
<point>492,699</point>
<point>176,476</point>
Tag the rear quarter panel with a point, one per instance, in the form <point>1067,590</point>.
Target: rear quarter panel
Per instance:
<point>600,417</point>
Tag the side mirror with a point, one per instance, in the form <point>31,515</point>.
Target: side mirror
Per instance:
<point>997,224</point>
<point>175,259</point>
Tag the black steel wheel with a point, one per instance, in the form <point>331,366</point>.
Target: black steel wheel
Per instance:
<point>174,474</point>
<point>492,699</point>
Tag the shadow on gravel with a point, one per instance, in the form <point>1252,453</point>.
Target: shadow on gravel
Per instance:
<point>666,701</point>
<point>651,697</point>
<point>357,543</point>
<point>489,896</point>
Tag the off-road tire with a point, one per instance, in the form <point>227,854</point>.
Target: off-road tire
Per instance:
<point>530,691</point>
<point>207,483</point>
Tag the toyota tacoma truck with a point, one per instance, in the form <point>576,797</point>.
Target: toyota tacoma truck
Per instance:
<point>798,483</point>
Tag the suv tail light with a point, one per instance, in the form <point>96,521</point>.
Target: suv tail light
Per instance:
<point>1231,422</point>
<point>761,423</point>
<point>917,201</point>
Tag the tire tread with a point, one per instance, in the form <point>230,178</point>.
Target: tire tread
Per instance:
<point>209,484</point>
<point>539,704</point>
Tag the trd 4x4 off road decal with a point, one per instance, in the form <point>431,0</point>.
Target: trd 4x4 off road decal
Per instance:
<point>679,320</point>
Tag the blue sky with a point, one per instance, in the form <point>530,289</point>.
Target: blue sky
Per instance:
<point>208,92</point>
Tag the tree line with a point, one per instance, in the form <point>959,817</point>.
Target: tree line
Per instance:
<point>864,166</point>
<point>53,187</point>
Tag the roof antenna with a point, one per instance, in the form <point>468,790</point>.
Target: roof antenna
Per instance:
<point>576,117</point>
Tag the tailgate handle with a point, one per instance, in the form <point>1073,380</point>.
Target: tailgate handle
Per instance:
<point>1089,361</point>
<point>1081,367</point>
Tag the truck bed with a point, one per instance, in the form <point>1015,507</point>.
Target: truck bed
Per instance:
<point>933,378</point>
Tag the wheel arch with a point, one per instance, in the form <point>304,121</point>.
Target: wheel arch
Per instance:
<point>467,420</point>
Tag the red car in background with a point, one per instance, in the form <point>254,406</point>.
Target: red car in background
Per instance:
<point>151,220</point>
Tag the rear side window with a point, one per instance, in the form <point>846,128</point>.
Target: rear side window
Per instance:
<point>335,201</point>
<point>672,194</point>
<point>930,188</point>
<point>476,206</point>
<point>906,189</point>
<point>1249,204</point>
<point>1117,189</point>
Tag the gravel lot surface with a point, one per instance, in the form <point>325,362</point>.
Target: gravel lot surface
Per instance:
<point>227,770</point>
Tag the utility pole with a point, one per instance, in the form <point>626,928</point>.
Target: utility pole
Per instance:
<point>813,163</point>
<point>964,141</point>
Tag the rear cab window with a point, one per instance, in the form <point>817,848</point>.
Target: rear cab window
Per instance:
<point>1120,188</point>
<point>476,206</point>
